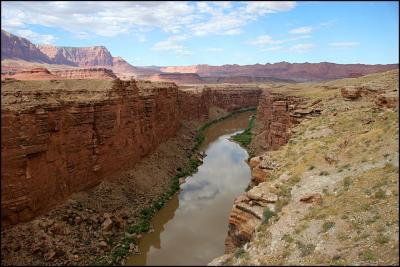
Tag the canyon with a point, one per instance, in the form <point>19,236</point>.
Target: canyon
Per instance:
<point>93,147</point>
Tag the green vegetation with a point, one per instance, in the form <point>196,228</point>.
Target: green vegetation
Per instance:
<point>244,138</point>
<point>267,214</point>
<point>367,255</point>
<point>239,252</point>
<point>382,239</point>
<point>305,249</point>
<point>327,225</point>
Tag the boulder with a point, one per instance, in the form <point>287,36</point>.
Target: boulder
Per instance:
<point>312,198</point>
<point>259,175</point>
<point>350,92</point>
<point>262,193</point>
<point>389,100</point>
<point>107,225</point>
<point>255,161</point>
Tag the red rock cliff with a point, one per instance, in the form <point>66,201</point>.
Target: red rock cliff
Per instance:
<point>58,138</point>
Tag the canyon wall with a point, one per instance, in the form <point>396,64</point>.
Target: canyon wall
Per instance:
<point>276,115</point>
<point>58,138</point>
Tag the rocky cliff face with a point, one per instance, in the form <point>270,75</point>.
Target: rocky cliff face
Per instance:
<point>78,56</point>
<point>276,115</point>
<point>13,47</point>
<point>91,73</point>
<point>45,74</point>
<point>59,137</point>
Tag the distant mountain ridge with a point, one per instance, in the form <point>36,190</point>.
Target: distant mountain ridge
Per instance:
<point>299,72</point>
<point>21,49</point>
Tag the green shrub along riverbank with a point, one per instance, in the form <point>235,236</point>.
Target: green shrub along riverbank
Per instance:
<point>244,138</point>
<point>143,223</point>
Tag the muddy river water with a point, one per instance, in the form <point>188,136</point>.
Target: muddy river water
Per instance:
<point>191,228</point>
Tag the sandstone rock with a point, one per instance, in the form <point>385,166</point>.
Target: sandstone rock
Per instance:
<point>262,193</point>
<point>107,225</point>
<point>259,175</point>
<point>331,158</point>
<point>241,198</point>
<point>312,198</point>
<point>59,229</point>
<point>49,255</point>
<point>350,92</point>
<point>256,211</point>
<point>268,164</point>
<point>78,220</point>
<point>255,161</point>
<point>241,228</point>
<point>388,100</point>
<point>103,244</point>
<point>119,221</point>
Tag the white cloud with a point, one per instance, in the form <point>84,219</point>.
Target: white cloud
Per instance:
<point>101,18</point>
<point>302,30</point>
<point>263,7</point>
<point>36,37</point>
<point>264,40</point>
<point>214,49</point>
<point>89,18</point>
<point>344,44</point>
<point>172,44</point>
<point>302,48</point>
<point>272,49</point>
<point>223,4</point>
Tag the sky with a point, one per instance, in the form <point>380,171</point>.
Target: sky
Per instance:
<point>215,33</point>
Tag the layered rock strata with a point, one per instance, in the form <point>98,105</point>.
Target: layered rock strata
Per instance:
<point>59,137</point>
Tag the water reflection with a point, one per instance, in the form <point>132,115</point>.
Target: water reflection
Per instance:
<point>191,228</point>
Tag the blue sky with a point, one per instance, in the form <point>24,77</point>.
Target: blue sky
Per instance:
<point>215,33</point>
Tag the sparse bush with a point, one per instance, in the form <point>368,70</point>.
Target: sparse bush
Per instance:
<point>382,239</point>
<point>324,173</point>
<point>287,238</point>
<point>311,167</point>
<point>367,255</point>
<point>305,249</point>
<point>347,182</point>
<point>327,225</point>
<point>267,214</point>
<point>239,252</point>
<point>380,194</point>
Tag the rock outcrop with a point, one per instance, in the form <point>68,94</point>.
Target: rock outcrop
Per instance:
<point>91,73</point>
<point>351,92</point>
<point>389,100</point>
<point>45,74</point>
<point>33,74</point>
<point>78,56</point>
<point>60,137</point>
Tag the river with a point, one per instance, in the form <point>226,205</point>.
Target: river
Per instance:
<point>191,228</point>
